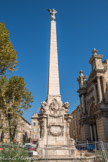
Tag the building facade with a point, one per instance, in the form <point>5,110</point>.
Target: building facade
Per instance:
<point>23,134</point>
<point>93,94</point>
<point>35,128</point>
<point>75,129</point>
<point>23,131</point>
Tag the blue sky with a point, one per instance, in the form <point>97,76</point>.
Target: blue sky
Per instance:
<point>81,26</point>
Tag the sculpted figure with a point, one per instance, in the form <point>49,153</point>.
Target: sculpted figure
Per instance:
<point>54,105</point>
<point>66,106</point>
<point>52,13</point>
<point>43,105</point>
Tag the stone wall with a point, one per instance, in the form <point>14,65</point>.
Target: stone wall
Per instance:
<point>105,125</point>
<point>85,132</point>
<point>100,129</point>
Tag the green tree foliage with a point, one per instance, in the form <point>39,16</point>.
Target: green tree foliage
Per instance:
<point>8,56</point>
<point>14,98</point>
<point>13,153</point>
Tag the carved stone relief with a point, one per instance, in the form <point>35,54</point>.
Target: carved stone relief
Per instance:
<point>55,120</point>
<point>55,106</point>
<point>66,106</point>
<point>56,130</point>
<point>41,129</point>
<point>43,106</point>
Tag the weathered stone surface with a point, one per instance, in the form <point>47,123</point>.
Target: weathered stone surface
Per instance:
<point>81,159</point>
<point>53,82</point>
<point>93,94</point>
<point>54,123</point>
<point>54,118</point>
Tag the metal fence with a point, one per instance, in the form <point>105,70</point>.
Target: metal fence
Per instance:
<point>96,151</point>
<point>92,152</point>
<point>99,149</point>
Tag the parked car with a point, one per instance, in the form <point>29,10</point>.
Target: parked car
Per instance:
<point>32,148</point>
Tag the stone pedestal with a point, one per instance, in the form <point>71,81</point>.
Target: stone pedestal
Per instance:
<point>54,130</point>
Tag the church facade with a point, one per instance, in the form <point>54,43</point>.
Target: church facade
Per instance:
<point>93,95</point>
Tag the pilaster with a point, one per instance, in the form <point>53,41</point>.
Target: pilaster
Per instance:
<point>99,88</point>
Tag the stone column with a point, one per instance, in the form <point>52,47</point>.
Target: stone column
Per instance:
<point>103,85</point>
<point>95,93</point>
<point>99,89</point>
<point>91,133</point>
<point>80,106</point>
<point>84,104</point>
<point>94,130</point>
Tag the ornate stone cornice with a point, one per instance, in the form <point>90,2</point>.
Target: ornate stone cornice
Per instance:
<point>101,112</point>
<point>82,91</point>
<point>55,115</point>
<point>98,113</point>
<point>95,56</point>
<point>94,74</point>
<point>100,70</point>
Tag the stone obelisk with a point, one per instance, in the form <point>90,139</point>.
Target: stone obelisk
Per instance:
<point>54,118</point>
<point>53,77</point>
